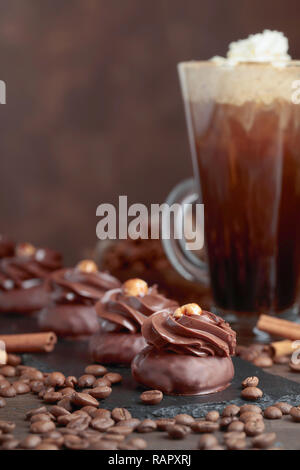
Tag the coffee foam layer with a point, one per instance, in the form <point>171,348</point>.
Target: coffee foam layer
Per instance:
<point>238,84</point>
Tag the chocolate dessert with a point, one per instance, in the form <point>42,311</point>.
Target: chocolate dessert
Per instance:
<point>7,247</point>
<point>188,352</point>
<point>121,313</point>
<point>74,292</point>
<point>22,278</point>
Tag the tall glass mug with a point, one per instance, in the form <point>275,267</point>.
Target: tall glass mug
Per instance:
<point>244,131</point>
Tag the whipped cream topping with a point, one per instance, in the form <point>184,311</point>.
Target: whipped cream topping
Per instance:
<point>268,46</point>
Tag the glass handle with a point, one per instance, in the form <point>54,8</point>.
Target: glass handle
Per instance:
<point>186,263</point>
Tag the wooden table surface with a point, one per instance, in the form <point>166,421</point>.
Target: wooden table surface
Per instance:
<point>75,356</point>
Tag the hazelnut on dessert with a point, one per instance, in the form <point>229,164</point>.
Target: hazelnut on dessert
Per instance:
<point>188,310</point>
<point>135,287</point>
<point>25,249</point>
<point>87,266</point>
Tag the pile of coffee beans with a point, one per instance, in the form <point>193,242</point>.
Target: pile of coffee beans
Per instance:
<point>261,356</point>
<point>70,415</point>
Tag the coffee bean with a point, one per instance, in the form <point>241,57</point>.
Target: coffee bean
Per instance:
<point>104,445</point>
<point>138,443</point>
<point>254,428</point>
<point>234,435</point>
<point>236,444</point>
<point>13,360</point>
<point>66,391</point>
<point>251,393</point>
<point>184,419</point>
<point>281,360</point>
<point>8,392</point>
<point>80,423</point>
<point>36,386</point>
<point>54,437</point>
<point>263,361</point>
<point>285,408</point>
<point>175,431</point>
<point>113,377</point>
<point>163,423</point>
<point>55,379</point>
<point>30,441</point>
<point>96,369</point>
<point>100,392</point>
<point>250,382</point>
<point>21,388</point>
<point>224,422</point>
<point>10,445</point>
<point>86,380</point>
<point>148,425</point>
<point>6,437</point>
<point>250,416</point>
<point>46,446</point>
<point>251,408</point>
<point>124,446</point>
<point>41,427</point>
<point>2,402</point>
<point>7,426</point>
<point>207,441</point>
<point>218,447</point>
<point>151,397</point>
<point>75,442</point>
<point>32,374</point>
<point>52,397</point>
<point>4,384</point>
<point>35,411</point>
<point>295,413</point>
<point>131,423</point>
<point>102,413</point>
<point>41,417</point>
<point>90,410</point>
<point>123,430</point>
<point>66,403</point>
<point>264,440</point>
<point>71,381</point>
<point>102,382</point>
<point>272,412</point>
<point>114,437</point>
<point>230,410</point>
<point>119,414</point>
<point>204,426</point>
<point>212,416</point>
<point>236,426</point>
<point>102,424</point>
<point>8,371</point>
<point>83,399</point>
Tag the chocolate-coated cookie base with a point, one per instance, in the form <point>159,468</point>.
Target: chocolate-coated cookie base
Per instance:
<point>72,320</point>
<point>176,374</point>
<point>116,348</point>
<point>24,301</point>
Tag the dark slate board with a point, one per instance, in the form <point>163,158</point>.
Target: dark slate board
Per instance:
<point>73,357</point>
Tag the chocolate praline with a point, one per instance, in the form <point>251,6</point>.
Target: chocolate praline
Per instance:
<point>22,278</point>
<point>74,292</point>
<point>186,355</point>
<point>121,313</point>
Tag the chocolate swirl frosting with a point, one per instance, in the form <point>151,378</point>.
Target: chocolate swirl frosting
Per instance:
<point>119,312</point>
<point>71,285</point>
<point>23,272</point>
<point>197,335</point>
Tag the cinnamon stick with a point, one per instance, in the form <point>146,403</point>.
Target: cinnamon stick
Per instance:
<point>282,348</point>
<point>278,327</point>
<point>29,343</point>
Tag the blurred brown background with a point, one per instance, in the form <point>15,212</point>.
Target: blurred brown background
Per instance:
<point>93,103</point>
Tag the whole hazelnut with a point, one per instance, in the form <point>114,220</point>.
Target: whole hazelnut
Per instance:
<point>87,266</point>
<point>25,249</point>
<point>135,287</point>
<point>188,309</point>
